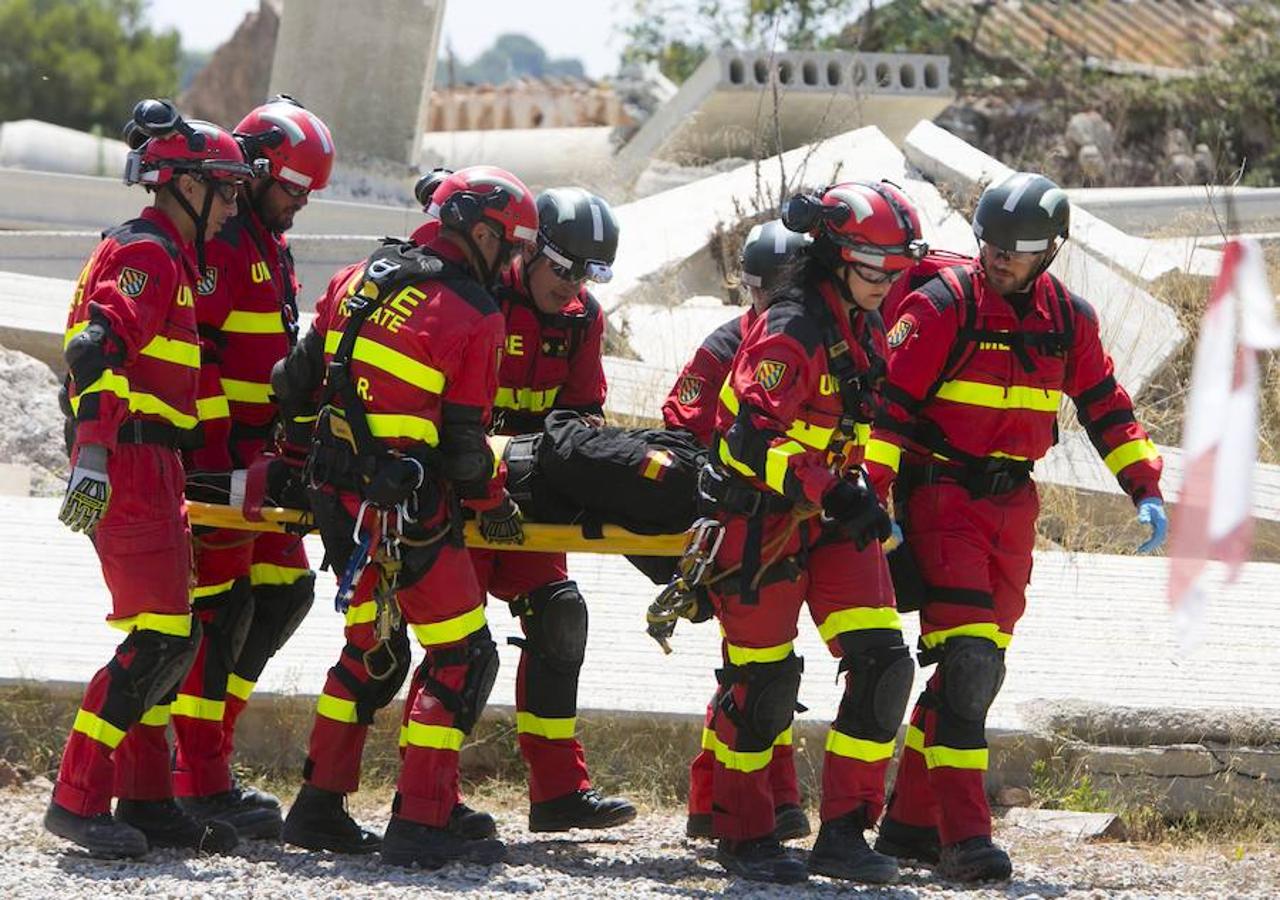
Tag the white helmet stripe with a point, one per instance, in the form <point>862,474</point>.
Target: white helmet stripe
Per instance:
<point>556,256</point>
<point>1049,202</point>
<point>292,130</point>
<point>1011,202</point>
<point>779,241</point>
<point>293,175</point>
<point>855,200</point>
<point>321,131</point>
<point>597,223</point>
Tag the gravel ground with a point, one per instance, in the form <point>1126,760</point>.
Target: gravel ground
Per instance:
<point>648,858</point>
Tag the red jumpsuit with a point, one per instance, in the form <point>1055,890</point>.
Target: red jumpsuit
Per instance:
<point>246,306</point>
<point>972,399</point>
<point>138,399</point>
<point>781,425</point>
<point>549,362</point>
<point>434,344</point>
<point>692,405</point>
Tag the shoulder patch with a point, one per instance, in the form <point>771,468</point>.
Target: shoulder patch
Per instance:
<point>689,389</point>
<point>131,281</point>
<point>900,331</point>
<point>769,373</point>
<point>208,282</point>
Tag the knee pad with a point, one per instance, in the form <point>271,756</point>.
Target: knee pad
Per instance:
<point>972,673</point>
<point>159,661</point>
<point>769,705</point>
<point>877,690</point>
<point>555,623</point>
<point>480,656</point>
<point>284,607</point>
<point>228,628</point>
<point>372,694</point>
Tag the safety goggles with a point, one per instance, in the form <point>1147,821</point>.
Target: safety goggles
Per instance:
<point>295,191</point>
<point>573,271</point>
<point>1016,256</point>
<point>227,189</point>
<point>873,275</point>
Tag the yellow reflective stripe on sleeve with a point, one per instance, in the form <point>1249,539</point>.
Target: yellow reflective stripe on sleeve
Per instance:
<point>415,428</point>
<point>740,761</point>
<point>816,436</point>
<point>551,729</point>
<point>177,625</point>
<point>858,748</point>
<point>939,757</point>
<point>211,590</point>
<point>404,736</point>
<point>240,688</point>
<point>192,707</point>
<point>267,573</point>
<point>393,362</point>
<point>73,331</point>
<point>157,716</point>
<point>740,656</point>
<point>859,618</point>
<point>1129,453</point>
<point>785,739</point>
<point>997,396</point>
<point>182,353</point>
<point>139,402</point>
<point>526,398</point>
<point>861,434</point>
<point>708,739</point>
<point>885,453</point>
<point>336,708</point>
<point>989,630</point>
<point>731,461</point>
<point>362,613</point>
<point>450,630</point>
<point>97,729</point>
<point>434,737</point>
<point>210,408</point>
<point>240,322</point>
<point>775,463</point>
<point>246,391</point>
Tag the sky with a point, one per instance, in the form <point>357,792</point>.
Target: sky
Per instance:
<point>578,28</point>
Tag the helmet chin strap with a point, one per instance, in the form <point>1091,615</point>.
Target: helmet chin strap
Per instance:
<point>199,219</point>
<point>258,198</point>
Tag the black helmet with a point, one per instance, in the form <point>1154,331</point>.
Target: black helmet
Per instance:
<point>577,233</point>
<point>426,187</point>
<point>765,251</point>
<point>1024,213</point>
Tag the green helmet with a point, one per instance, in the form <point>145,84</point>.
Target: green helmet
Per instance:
<point>1024,213</point>
<point>577,233</point>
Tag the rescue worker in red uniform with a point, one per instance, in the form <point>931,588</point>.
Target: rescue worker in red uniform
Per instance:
<point>979,361</point>
<point>401,363</point>
<point>553,360</point>
<point>691,406</point>
<point>134,359</point>
<point>793,418</point>
<point>252,591</point>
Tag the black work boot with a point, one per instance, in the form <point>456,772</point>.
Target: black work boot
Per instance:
<point>908,843</point>
<point>789,823</point>
<point>761,859</point>
<point>471,824</point>
<point>166,825</point>
<point>841,851</point>
<point>251,812</point>
<point>580,809</point>
<point>101,835</point>
<point>318,820</point>
<point>974,859</point>
<point>414,844</point>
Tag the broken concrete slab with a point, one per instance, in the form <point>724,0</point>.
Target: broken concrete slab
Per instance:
<point>667,336</point>
<point>542,157</point>
<point>1162,212</point>
<point>1081,826</point>
<point>15,480</point>
<point>31,144</point>
<point>726,107</point>
<point>1107,723</point>
<point>33,314</point>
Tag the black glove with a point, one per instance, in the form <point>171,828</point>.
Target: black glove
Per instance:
<point>395,482</point>
<point>854,507</point>
<point>502,524</point>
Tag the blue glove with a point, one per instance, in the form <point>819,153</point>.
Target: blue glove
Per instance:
<point>1151,512</point>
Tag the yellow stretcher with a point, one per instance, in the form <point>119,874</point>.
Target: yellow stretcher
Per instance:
<point>538,537</point>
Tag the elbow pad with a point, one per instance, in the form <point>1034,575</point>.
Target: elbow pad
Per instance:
<point>465,457</point>
<point>92,352</point>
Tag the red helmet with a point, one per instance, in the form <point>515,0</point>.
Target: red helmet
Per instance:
<point>164,145</point>
<point>292,139</point>
<point>486,192</point>
<point>870,224</point>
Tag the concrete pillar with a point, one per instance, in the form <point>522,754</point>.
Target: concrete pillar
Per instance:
<point>366,68</point>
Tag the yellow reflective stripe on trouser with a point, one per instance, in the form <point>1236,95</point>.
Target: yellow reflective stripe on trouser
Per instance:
<point>182,353</point>
<point>859,618</point>
<point>393,362</point>
<point>177,625</point>
<point>552,729</point>
<point>858,748</point>
<point>98,729</point>
<point>139,402</point>
<point>435,737</point>
<point>267,573</point>
<point>783,740</point>
<point>239,322</point>
<point>885,453</point>
<point>210,408</point>
<point>526,399</point>
<point>999,396</point>
<point>740,656</point>
<point>1129,453</point>
<point>240,688</point>
<point>157,716</point>
<point>362,613</point>
<point>450,630</point>
<point>938,757</point>
<point>211,590</point>
<point>738,760</point>
<point>199,708</point>
<point>246,391</point>
<point>336,708</point>
<point>989,630</point>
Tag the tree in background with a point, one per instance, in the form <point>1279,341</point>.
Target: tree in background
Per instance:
<point>511,56</point>
<point>81,63</point>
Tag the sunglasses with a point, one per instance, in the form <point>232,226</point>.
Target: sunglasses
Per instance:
<point>872,275</point>
<point>226,189</point>
<point>578,273</point>
<point>293,190</point>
